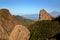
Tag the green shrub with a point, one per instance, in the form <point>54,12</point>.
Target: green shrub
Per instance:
<point>42,30</point>
<point>57,19</point>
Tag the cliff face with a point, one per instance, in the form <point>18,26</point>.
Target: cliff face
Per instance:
<point>43,15</point>
<point>8,27</point>
<point>7,23</point>
<point>3,34</point>
<point>7,20</point>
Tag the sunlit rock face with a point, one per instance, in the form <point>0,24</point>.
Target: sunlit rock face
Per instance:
<point>3,34</point>
<point>43,15</point>
<point>7,23</point>
<point>19,33</point>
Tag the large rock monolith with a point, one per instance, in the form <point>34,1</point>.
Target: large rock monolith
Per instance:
<point>43,15</point>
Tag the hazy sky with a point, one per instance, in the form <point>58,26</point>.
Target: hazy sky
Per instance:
<point>22,7</point>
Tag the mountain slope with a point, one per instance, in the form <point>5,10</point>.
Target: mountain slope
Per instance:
<point>42,30</point>
<point>24,21</point>
<point>3,34</point>
<point>7,23</point>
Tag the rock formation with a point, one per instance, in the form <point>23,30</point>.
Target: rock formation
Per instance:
<point>43,15</point>
<point>3,34</point>
<point>19,33</point>
<point>7,23</point>
<point>9,28</point>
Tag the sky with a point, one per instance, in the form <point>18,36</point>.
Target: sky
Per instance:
<point>24,7</point>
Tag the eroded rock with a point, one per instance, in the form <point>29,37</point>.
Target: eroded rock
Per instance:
<point>19,33</point>
<point>43,15</point>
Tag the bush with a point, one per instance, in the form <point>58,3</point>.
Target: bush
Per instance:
<point>57,19</point>
<point>42,30</point>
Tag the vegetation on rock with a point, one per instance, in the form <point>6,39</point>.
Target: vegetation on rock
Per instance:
<point>42,30</point>
<point>57,19</point>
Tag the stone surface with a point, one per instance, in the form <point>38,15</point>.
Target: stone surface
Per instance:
<point>43,15</point>
<point>3,34</point>
<point>7,23</point>
<point>19,33</point>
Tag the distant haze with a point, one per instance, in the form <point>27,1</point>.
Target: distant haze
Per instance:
<point>32,16</point>
<point>55,13</point>
<point>36,16</point>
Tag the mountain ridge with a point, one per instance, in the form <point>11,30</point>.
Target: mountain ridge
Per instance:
<point>35,16</point>
<point>23,21</point>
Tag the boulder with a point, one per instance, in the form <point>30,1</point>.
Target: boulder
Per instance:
<point>19,33</point>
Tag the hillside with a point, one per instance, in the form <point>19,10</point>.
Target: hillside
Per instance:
<point>24,21</point>
<point>42,30</point>
<point>31,16</point>
<point>13,26</point>
<point>7,23</point>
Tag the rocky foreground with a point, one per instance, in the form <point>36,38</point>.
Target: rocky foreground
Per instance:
<point>10,29</point>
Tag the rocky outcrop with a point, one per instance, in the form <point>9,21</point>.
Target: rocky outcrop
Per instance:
<point>7,23</point>
<point>3,34</point>
<point>19,33</point>
<point>7,20</point>
<point>9,28</point>
<point>43,15</point>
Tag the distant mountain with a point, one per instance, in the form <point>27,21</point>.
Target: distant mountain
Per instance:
<point>55,13</point>
<point>32,16</point>
<point>36,16</point>
<point>22,20</point>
